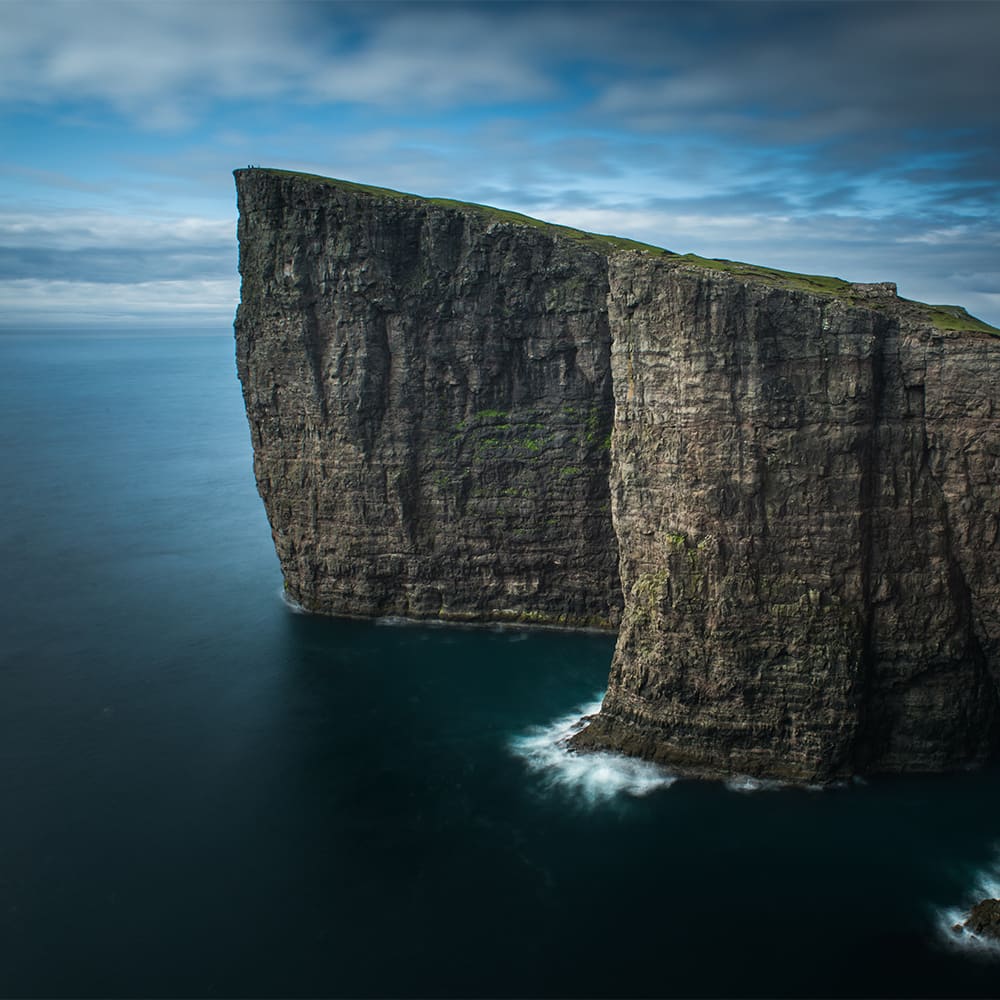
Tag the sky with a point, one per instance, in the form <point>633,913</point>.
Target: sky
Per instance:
<point>858,139</point>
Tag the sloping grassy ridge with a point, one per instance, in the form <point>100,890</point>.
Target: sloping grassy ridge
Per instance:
<point>942,317</point>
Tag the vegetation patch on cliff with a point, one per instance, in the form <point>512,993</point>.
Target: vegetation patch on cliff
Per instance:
<point>816,283</point>
<point>954,318</point>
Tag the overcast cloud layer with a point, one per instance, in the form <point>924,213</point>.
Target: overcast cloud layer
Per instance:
<point>858,139</point>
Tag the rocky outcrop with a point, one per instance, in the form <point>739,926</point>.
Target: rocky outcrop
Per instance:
<point>984,920</point>
<point>798,512</point>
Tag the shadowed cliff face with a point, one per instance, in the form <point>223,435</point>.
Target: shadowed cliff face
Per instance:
<point>803,487</point>
<point>429,397</point>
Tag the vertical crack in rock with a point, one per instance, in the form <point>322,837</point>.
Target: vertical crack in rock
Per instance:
<point>869,726</point>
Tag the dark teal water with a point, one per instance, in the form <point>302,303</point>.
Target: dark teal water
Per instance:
<point>205,794</point>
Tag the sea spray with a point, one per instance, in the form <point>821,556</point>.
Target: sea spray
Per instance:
<point>744,784</point>
<point>950,920</point>
<point>593,777</point>
<point>290,602</point>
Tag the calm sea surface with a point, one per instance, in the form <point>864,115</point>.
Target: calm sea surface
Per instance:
<point>204,793</point>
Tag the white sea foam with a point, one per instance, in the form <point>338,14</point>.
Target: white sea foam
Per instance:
<point>949,922</point>
<point>594,777</point>
<point>293,605</point>
<point>986,885</point>
<point>745,784</point>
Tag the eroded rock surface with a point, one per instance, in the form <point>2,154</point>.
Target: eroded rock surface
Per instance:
<point>804,489</point>
<point>801,492</point>
<point>984,919</point>
<point>429,397</point>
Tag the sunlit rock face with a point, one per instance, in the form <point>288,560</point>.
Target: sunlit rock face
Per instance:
<point>795,520</point>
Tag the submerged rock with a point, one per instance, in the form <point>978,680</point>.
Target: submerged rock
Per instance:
<point>783,487</point>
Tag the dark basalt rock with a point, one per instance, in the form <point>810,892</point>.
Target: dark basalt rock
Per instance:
<point>984,919</point>
<point>804,491</point>
<point>429,397</point>
<point>795,520</point>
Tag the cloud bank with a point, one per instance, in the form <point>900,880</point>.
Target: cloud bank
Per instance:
<point>856,139</point>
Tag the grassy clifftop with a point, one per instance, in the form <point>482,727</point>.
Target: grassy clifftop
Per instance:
<point>944,317</point>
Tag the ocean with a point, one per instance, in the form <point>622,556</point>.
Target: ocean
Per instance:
<point>205,793</point>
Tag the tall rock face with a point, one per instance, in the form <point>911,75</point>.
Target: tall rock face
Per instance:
<point>799,512</point>
<point>804,490</point>
<point>429,397</point>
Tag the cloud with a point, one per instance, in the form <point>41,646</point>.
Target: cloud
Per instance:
<point>765,72</point>
<point>101,249</point>
<point>89,268</point>
<point>27,303</point>
<point>115,265</point>
<point>903,96</point>
<point>466,58</point>
<point>164,64</point>
<point>87,230</point>
<point>145,60</point>
<point>826,69</point>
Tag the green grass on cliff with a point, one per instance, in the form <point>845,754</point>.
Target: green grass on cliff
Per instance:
<point>818,283</point>
<point>596,241</point>
<point>943,317</point>
<point>955,318</point>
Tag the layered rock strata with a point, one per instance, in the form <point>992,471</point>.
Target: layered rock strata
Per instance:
<point>429,397</point>
<point>799,510</point>
<point>804,489</point>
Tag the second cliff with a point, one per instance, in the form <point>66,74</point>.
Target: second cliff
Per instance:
<point>804,490</point>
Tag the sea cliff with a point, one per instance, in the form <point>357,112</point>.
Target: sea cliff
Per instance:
<point>783,488</point>
<point>430,403</point>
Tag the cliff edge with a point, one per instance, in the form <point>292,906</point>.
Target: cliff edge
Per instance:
<point>784,487</point>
